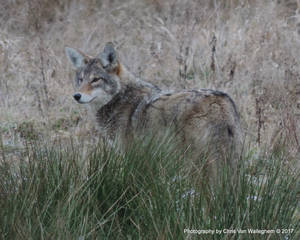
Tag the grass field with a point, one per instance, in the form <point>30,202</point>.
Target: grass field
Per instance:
<point>59,181</point>
<point>249,49</point>
<point>54,192</point>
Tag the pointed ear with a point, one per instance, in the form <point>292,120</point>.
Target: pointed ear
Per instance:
<point>109,57</point>
<point>76,57</point>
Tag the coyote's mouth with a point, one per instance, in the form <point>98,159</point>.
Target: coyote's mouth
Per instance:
<point>83,98</point>
<point>85,102</point>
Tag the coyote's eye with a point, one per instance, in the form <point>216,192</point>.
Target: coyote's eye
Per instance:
<point>80,80</point>
<point>95,80</point>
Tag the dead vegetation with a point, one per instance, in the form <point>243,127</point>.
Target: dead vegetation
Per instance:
<point>249,49</point>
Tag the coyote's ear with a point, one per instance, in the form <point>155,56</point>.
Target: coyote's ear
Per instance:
<point>109,57</point>
<point>76,57</point>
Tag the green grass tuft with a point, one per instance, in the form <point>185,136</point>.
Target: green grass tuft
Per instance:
<point>57,192</point>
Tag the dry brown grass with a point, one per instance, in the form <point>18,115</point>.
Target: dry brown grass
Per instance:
<point>249,49</point>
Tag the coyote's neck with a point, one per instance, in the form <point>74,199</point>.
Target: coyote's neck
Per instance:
<point>125,75</point>
<point>116,116</point>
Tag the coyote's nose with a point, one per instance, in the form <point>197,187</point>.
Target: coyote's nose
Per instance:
<point>77,96</point>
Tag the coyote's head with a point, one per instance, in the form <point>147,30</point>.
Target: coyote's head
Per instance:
<point>97,79</point>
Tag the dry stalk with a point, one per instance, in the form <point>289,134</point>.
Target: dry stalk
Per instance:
<point>259,119</point>
<point>39,102</point>
<point>43,75</point>
<point>213,44</point>
<point>42,95</point>
<point>292,128</point>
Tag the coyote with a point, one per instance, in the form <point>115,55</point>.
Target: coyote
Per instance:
<point>126,107</point>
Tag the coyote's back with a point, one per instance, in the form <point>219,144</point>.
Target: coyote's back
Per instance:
<point>204,121</point>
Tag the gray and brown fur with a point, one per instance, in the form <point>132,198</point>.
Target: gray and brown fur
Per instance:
<point>203,120</point>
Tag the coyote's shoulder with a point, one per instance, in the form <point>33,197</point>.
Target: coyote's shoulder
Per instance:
<point>127,107</point>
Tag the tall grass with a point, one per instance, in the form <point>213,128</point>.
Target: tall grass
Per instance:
<point>56,192</point>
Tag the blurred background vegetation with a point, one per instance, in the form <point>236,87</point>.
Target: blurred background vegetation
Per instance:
<point>249,49</point>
